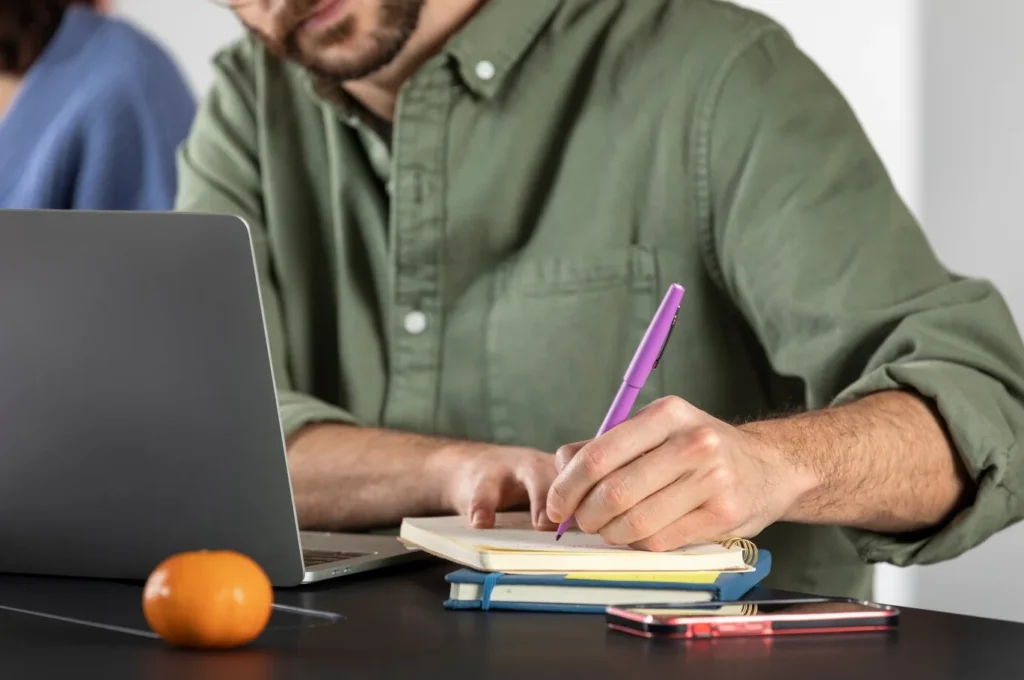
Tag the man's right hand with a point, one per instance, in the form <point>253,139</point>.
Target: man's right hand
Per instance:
<point>479,481</point>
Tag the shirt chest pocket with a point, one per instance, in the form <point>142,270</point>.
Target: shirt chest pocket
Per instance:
<point>560,334</point>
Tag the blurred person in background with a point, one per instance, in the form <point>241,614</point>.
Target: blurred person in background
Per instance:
<point>91,110</point>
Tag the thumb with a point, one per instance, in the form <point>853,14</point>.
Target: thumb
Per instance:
<point>483,504</point>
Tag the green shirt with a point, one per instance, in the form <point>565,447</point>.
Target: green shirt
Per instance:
<point>487,270</point>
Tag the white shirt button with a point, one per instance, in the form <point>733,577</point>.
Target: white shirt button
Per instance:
<point>485,70</point>
<point>415,322</point>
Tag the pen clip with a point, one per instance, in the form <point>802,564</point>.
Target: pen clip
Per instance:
<point>667,338</point>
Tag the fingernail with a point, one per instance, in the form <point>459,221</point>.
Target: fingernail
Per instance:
<point>477,519</point>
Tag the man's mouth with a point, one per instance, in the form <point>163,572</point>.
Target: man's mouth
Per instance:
<point>324,14</point>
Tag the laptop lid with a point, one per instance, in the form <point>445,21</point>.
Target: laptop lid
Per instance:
<point>138,413</point>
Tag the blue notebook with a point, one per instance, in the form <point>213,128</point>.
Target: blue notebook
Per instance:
<point>581,593</point>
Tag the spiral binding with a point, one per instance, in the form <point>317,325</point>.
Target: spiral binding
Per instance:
<point>748,548</point>
<point>749,609</point>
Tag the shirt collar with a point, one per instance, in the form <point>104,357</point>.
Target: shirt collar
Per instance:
<point>496,38</point>
<point>331,92</point>
<point>487,48</point>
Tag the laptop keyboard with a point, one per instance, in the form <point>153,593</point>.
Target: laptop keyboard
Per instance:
<point>313,558</point>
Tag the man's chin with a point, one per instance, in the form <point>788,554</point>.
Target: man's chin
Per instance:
<point>340,71</point>
<point>343,64</point>
<point>333,60</point>
<point>336,62</point>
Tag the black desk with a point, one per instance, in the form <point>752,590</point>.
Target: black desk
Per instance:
<point>394,626</point>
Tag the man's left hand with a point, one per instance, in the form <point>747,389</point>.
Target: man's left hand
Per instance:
<point>674,476</point>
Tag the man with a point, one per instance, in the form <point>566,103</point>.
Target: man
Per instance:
<point>465,213</point>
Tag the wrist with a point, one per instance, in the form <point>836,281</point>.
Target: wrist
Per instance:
<point>800,484</point>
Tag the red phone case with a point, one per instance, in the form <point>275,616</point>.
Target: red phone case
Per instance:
<point>804,617</point>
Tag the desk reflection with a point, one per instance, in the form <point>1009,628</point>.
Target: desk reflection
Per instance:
<point>169,663</point>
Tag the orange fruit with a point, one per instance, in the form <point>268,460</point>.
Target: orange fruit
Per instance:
<point>208,599</point>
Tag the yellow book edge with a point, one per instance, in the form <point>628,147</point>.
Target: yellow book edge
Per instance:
<point>689,577</point>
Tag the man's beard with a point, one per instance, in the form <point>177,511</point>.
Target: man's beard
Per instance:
<point>397,22</point>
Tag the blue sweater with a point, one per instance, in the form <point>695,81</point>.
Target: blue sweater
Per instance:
<point>96,122</point>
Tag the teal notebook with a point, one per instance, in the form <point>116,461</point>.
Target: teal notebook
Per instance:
<point>593,592</point>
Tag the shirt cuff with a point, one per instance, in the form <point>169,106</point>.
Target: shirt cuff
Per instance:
<point>299,410</point>
<point>972,406</point>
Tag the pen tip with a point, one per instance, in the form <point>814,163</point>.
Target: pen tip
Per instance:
<point>558,537</point>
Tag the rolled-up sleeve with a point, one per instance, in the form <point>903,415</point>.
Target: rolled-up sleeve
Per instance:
<point>807,235</point>
<point>219,173</point>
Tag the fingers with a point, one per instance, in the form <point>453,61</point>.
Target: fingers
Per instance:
<point>536,479</point>
<point>484,502</point>
<point>614,449</point>
<point>629,486</point>
<point>655,513</point>
<point>699,526</point>
<point>510,483</point>
<point>682,455</point>
<point>566,453</point>
<point>703,506</point>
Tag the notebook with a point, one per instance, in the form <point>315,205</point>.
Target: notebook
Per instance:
<point>513,546</point>
<point>592,592</point>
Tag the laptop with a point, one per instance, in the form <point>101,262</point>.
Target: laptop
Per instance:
<point>138,411</point>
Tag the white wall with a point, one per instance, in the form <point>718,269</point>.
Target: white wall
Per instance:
<point>934,84</point>
<point>973,174</point>
<point>191,29</point>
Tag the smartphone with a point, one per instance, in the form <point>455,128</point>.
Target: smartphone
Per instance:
<point>804,616</point>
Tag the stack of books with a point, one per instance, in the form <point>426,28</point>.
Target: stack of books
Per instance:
<point>514,567</point>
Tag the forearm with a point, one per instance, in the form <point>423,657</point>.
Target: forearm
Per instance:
<point>883,463</point>
<point>348,478</point>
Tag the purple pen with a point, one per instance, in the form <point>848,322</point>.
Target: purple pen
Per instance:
<point>646,359</point>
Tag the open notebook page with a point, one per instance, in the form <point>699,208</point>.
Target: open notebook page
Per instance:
<point>514,532</point>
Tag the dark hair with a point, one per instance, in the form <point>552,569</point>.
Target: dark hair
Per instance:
<point>26,28</point>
